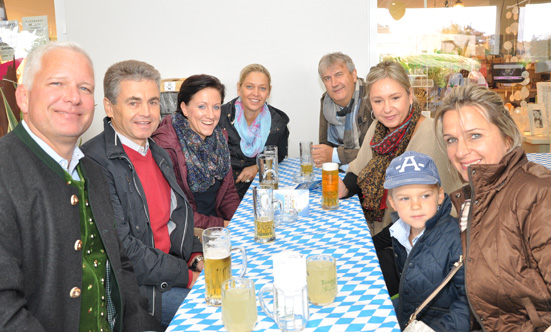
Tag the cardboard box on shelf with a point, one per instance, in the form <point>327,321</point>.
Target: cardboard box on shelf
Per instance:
<point>171,84</point>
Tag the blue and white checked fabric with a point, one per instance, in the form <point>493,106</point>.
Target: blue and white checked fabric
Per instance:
<point>362,303</point>
<point>540,158</point>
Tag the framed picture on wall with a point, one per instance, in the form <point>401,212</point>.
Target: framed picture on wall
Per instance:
<point>544,97</point>
<point>538,119</point>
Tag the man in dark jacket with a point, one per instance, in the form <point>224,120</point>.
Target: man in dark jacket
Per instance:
<point>61,266</point>
<point>153,217</point>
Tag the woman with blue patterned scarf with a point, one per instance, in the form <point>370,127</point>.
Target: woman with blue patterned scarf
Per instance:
<point>252,124</point>
<point>199,151</point>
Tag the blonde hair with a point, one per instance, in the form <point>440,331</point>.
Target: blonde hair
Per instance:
<point>254,67</point>
<point>488,102</point>
<point>33,62</point>
<point>387,69</point>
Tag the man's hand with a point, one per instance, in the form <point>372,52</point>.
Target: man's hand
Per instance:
<point>195,276</point>
<point>343,191</point>
<point>247,174</point>
<point>200,266</point>
<point>322,153</point>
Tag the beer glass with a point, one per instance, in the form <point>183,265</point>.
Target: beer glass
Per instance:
<point>306,162</point>
<point>321,272</point>
<point>289,307</point>
<point>271,150</point>
<point>217,252</point>
<point>330,186</point>
<point>239,305</point>
<point>267,170</point>
<point>264,220</point>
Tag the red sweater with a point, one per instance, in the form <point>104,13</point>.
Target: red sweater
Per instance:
<point>157,195</point>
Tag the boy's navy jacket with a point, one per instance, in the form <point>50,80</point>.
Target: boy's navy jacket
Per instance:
<point>428,263</point>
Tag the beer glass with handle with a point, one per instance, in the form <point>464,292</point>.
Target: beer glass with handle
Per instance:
<point>217,250</point>
<point>271,150</point>
<point>330,186</point>
<point>239,305</point>
<point>267,170</point>
<point>264,219</point>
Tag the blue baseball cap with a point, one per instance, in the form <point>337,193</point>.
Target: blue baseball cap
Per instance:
<point>411,168</point>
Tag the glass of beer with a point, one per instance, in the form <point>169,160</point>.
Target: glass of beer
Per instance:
<point>217,252</point>
<point>264,220</point>
<point>267,170</point>
<point>239,305</point>
<point>330,186</point>
<point>272,151</point>
<point>321,271</point>
<point>306,161</point>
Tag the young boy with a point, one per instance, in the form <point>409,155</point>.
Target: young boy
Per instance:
<point>426,242</point>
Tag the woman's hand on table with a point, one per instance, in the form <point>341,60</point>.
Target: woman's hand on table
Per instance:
<point>247,174</point>
<point>343,191</point>
<point>322,153</point>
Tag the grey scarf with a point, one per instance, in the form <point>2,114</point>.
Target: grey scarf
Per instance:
<point>343,125</point>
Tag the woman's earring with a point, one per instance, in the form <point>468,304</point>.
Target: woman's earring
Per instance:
<point>372,116</point>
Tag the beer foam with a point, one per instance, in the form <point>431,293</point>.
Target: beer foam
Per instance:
<point>216,253</point>
<point>330,167</point>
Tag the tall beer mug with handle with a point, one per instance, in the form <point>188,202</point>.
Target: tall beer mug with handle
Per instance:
<point>272,150</point>
<point>267,170</point>
<point>290,308</point>
<point>217,250</point>
<point>264,218</point>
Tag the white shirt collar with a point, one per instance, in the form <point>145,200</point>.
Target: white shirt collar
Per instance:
<point>131,144</point>
<point>69,167</point>
<point>400,231</point>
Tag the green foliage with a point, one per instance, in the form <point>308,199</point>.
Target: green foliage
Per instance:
<point>12,121</point>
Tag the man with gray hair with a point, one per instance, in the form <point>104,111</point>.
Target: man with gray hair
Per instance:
<point>152,214</point>
<point>61,266</point>
<point>344,115</point>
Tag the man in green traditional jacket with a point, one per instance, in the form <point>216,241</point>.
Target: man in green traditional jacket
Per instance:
<point>61,266</point>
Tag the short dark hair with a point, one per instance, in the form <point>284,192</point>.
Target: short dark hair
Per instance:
<point>196,83</point>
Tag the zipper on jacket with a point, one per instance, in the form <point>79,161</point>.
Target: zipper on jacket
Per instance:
<point>148,220</point>
<point>186,204</point>
<point>468,240</point>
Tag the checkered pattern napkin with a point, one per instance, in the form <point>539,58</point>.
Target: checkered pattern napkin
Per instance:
<point>540,158</point>
<point>362,303</point>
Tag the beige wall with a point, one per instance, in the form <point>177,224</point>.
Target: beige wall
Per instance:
<point>20,8</point>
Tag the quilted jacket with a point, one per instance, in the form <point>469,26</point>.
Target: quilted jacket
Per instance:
<point>508,243</point>
<point>428,263</point>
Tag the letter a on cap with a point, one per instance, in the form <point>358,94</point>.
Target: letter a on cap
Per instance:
<point>409,161</point>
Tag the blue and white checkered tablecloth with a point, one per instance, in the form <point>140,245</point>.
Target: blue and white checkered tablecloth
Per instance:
<point>362,303</point>
<point>540,158</point>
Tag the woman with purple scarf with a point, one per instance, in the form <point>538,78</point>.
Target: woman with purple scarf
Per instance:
<point>199,151</point>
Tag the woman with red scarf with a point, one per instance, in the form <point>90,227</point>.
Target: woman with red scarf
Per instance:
<point>398,126</point>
